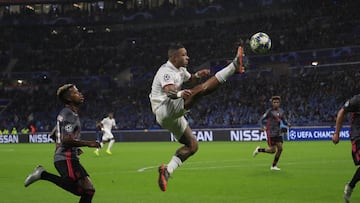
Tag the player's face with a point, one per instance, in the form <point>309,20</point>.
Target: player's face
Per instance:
<point>181,58</point>
<point>276,104</point>
<point>75,96</point>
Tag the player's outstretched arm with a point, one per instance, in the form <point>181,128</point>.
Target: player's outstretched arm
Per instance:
<point>79,143</point>
<point>198,75</point>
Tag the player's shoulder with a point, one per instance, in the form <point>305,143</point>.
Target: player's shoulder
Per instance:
<point>353,101</point>
<point>166,67</point>
<point>356,97</point>
<point>65,113</point>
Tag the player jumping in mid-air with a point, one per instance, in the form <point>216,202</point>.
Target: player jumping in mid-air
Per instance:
<point>351,106</point>
<point>275,116</point>
<point>73,176</point>
<point>106,125</point>
<point>170,103</point>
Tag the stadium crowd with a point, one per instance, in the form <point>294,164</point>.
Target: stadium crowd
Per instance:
<point>113,64</point>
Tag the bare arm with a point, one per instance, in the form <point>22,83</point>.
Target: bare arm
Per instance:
<point>173,93</point>
<point>199,74</point>
<point>53,134</point>
<point>261,121</point>
<point>339,120</point>
<point>78,143</point>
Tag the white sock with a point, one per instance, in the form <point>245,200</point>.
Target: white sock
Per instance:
<point>225,73</point>
<point>173,164</point>
<point>110,144</point>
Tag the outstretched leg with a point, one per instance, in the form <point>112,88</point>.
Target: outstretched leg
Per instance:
<point>209,86</point>
<point>83,187</point>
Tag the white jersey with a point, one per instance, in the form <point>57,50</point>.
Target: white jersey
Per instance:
<point>167,74</point>
<point>108,124</point>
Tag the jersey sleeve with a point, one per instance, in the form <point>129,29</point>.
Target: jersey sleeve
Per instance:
<point>166,78</point>
<point>352,104</point>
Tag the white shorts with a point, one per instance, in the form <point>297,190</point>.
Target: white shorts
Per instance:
<point>170,115</point>
<point>107,136</point>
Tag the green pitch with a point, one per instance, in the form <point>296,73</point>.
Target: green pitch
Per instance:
<point>221,172</point>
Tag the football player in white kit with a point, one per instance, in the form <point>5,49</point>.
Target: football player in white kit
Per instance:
<point>169,102</point>
<point>106,125</point>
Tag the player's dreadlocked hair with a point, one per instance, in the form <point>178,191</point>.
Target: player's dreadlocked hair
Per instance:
<point>62,92</point>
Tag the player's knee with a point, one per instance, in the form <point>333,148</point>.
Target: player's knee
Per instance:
<point>194,148</point>
<point>90,192</point>
<point>87,192</point>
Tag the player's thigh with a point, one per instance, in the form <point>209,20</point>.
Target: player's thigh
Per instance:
<point>276,141</point>
<point>71,169</point>
<point>176,126</point>
<point>107,136</point>
<point>355,149</point>
<point>170,109</point>
<point>86,183</point>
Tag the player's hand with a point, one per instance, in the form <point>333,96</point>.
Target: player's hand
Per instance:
<point>335,138</point>
<point>186,93</point>
<point>202,73</point>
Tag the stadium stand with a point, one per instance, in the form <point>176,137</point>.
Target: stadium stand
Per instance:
<point>112,51</point>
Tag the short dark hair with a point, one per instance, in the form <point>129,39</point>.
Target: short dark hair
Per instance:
<point>62,92</point>
<point>174,47</point>
<point>275,98</point>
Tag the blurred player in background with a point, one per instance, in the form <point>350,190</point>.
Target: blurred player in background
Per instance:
<point>274,132</point>
<point>170,103</point>
<point>351,106</point>
<point>99,132</point>
<point>106,126</point>
<point>73,176</point>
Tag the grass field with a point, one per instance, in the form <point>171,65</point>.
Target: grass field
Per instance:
<point>221,172</point>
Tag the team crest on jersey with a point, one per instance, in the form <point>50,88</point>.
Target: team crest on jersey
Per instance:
<point>69,128</point>
<point>166,77</point>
